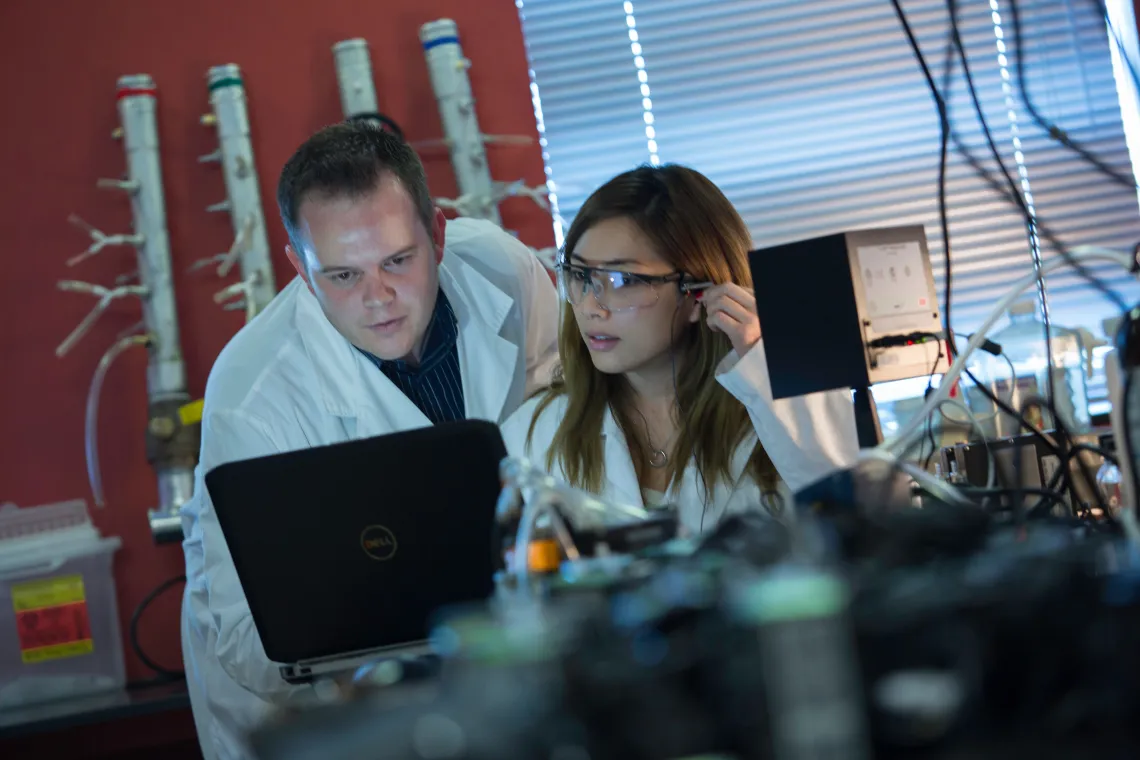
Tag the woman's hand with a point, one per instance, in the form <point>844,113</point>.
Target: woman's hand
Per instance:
<point>731,310</point>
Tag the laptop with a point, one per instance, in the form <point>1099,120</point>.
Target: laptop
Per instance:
<point>346,551</point>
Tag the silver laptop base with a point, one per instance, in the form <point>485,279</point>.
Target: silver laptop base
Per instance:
<point>308,671</point>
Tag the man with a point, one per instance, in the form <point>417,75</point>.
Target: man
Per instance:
<point>397,320</point>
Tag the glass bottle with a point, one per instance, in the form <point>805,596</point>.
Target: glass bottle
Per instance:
<point>1023,347</point>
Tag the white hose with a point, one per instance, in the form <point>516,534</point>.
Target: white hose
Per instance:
<point>1083,253</point>
<point>92,417</point>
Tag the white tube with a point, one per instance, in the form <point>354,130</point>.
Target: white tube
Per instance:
<point>448,70</point>
<point>166,374</point>
<point>91,426</point>
<point>251,244</point>
<point>354,77</point>
<point>1082,254</point>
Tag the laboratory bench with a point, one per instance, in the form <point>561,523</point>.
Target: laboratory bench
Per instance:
<point>134,723</point>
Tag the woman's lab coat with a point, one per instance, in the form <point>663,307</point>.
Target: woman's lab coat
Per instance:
<point>807,438</point>
<point>287,381</point>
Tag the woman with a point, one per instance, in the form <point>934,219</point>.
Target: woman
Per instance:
<point>663,395</point>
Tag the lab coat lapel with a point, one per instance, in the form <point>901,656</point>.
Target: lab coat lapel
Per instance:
<point>486,359</point>
<point>384,408</point>
<point>621,477</point>
<point>351,387</point>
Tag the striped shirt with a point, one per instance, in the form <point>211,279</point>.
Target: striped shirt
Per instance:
<point>435,385</point>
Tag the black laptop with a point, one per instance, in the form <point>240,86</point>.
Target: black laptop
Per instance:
<point>345,551</point>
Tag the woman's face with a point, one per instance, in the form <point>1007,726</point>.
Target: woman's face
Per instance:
<point>631,328</point>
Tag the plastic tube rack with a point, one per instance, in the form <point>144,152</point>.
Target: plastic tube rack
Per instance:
<point>172,434</point>
<point>250,247</point>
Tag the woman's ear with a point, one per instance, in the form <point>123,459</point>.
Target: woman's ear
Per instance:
<point>695,312</point>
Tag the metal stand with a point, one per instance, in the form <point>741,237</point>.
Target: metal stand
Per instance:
<point>867,419</point>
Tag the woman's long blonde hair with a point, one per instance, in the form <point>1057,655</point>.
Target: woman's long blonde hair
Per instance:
<point>694,227</point>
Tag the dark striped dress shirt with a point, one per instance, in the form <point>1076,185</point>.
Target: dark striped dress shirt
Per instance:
<point>435,386</point>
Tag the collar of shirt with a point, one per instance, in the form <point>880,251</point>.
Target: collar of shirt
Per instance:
<point>442,334</point>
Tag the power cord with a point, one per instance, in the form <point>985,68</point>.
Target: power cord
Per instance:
<point>1014,193</point>
<point>1012,196</point>
<point>1055,132</point>
<point>164,675</point>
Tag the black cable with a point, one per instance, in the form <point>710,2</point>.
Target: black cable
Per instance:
<point>1076,450</point>
<point>165,674</point>
<point>1044,231</point>
<point>1012,193</point>
<point>1048,496</point>
<point>1066,444</point>
<point>1015,414</point>
<point>1065,436</point>
<point>1013,196</point>
<point>930,417</point>
<point>1056,133</point>
<point>1126,399</point>
<point>1015,192</point>
<point>944,140</point>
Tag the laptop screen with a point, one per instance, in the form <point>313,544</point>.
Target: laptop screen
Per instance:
<point>352,547</point>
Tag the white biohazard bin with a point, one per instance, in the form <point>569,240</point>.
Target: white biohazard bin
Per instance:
<point>59,620</point>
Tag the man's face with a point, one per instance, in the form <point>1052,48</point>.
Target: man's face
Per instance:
<point>372,266</point>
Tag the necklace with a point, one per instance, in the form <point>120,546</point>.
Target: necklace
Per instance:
<point>657,457</point>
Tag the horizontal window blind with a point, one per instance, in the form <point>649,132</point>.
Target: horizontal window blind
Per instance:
<point>815,118</point>
<point>587,89</point>
<point>1069,76</point>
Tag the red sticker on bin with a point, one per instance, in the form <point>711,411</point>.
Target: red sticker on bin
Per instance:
<point>51,619</point>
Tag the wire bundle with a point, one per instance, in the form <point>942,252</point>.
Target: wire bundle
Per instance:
<point>1060,442</point>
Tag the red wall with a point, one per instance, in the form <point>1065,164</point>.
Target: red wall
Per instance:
<point>58,66</point>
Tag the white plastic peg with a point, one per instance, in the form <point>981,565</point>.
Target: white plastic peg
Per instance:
<point>106,296</point>
<point>100,240</point>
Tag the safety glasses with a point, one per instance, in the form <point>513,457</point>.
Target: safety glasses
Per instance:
<point>614,290</point>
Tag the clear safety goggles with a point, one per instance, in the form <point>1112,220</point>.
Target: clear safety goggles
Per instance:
<point>613,289</point>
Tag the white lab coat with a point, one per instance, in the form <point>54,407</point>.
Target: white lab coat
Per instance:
<point>287,381</point>
<point>807,438</point>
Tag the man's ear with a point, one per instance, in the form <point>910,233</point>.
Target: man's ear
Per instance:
<point>438,224</point>
<point>298,263</point>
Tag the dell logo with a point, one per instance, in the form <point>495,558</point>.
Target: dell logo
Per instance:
<point>378,542</point>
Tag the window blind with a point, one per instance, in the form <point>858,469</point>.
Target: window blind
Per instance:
<point>815,118</point>
<point>1070,79</point>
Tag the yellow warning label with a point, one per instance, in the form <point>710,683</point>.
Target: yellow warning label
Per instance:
<point>51,619</point>
<point>57,651</point>
<point>191,413</point>
<point>49,592</point>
